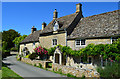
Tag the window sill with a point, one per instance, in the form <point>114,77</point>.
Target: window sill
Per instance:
<point>80,45</point>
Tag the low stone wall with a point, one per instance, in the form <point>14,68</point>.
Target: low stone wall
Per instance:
<point>33,62</point>
<point>13,52</point>
<point>75,71</point>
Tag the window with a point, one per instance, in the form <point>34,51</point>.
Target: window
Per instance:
<point>79,42</point>
<point>83,42</point>
<point>54,41</point>
<point>56,26</point>
<point>113,39</point>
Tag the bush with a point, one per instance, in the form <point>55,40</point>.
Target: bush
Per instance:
<point>14,49</point>
<point>18,59</point>
<point>27,56</point>
<point>110,71</point>
<point>70,75</point>
<point>35,65</point>
<point>32,56</point>
<point>40,65</point>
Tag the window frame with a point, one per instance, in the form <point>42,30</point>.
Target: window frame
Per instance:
<point>54,44</point>
<point>113,39</point>
<point>80,42</point>
<point>56,25</point>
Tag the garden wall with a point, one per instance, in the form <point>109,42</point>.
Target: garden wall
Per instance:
<point>33,62</point>
<point>75,71</point>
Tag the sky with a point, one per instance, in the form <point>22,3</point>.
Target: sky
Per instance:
<point>21,16</point>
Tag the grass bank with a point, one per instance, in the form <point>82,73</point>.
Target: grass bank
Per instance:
<point>8,73</point>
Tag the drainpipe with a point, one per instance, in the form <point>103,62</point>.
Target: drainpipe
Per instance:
<point>66,36</point>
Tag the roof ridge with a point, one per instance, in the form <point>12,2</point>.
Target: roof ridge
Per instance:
<point>102,13</point>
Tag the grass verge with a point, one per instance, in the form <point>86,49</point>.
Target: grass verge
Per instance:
<point>8,73</point>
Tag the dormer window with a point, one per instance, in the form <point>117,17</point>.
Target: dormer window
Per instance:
<point>56,26</point>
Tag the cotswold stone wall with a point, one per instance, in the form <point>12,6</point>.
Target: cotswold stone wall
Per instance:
<point>71,43</point>
<point>33,62</point>
<point>75,71</point>
<point>46,41</point>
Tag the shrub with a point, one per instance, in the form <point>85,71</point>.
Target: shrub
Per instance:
<point>27,56</point>
<point>51,51</point>
<point>18,59</point>
<point>109,71</point>
<point>34,64</point>
<point>32,56</point>
<point>40,65</point>
<point>14,49</point>
<point>40,51</point>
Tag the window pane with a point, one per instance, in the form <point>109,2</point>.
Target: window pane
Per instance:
<point>77,42</point>
<point>114,40</point>
<point>82,42</point>
<point>54,41</point>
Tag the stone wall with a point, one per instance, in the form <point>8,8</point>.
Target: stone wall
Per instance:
<point>33,62</point>
<point>46,41</point>
<point>71,43</point>
<point>87,72</point>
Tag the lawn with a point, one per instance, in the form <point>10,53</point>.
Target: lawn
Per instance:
<point>8,73</point>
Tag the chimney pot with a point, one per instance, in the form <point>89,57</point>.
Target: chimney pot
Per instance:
<point>55,14</point>
<point>43,25</point>
<point>78,8</point>
<point>33,29</point>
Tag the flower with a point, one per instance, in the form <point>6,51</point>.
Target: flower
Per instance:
<point>111,60</point>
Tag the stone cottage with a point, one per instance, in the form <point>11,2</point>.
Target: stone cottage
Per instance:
<point>74,30</point>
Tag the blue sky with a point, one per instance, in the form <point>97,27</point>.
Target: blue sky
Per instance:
<point>21,16</point>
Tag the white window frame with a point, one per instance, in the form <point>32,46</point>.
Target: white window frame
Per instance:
<point>56,26</point>
<point>80,42</point>
<point>53,42</point>
<point>112,40</point>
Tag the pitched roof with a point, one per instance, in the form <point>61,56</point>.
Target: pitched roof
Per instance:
<point>32,37</point>
<point>64,22</point>
<point>105,24</point>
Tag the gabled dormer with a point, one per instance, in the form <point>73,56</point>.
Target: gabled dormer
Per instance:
<point>55,25</point>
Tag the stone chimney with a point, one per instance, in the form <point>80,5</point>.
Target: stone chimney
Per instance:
<point>55,14</point>
<point>43,25</point>
<point>78,8</point>
<point>33,29</point>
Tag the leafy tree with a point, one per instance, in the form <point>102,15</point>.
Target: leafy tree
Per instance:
<point>8,37</point>
<point>17,40</point>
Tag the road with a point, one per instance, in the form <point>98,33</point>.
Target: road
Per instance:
<point>26,70</point>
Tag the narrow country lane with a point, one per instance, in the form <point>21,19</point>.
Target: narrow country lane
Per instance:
<point>25,70</point>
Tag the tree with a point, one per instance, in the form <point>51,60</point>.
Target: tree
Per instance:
<point>17,40</point>
<point>8,37</point>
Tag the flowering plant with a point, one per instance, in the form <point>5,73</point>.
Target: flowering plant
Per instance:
<point>40,51</point>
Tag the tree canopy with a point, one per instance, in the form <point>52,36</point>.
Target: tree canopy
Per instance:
<point>8,37</point>
<point>17,40</point>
